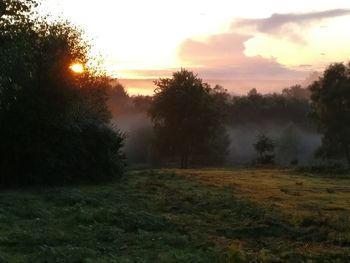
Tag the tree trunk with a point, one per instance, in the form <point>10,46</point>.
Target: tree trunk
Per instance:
<point>182,161</point>
<point>184,157</point>
<point>348,155</point>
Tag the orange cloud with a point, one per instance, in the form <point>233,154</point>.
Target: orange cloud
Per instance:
<point>222,56</point>
<point>220,59</point>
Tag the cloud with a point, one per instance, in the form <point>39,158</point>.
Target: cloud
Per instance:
<point>288,25</point>
<point>220,59</point>
<point>222,56</point>
<point>276,21</point>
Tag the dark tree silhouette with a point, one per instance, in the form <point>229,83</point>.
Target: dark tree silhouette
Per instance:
<point>54,123</point>
<point>296,92</point>
<point>188,117</point>
<point>15,15</point>
<point>119,101</point>
<point>264,147</point>
<point>330,108</point>
<point>255,108</point>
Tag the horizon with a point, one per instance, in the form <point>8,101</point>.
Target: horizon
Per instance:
<point>234,87</point>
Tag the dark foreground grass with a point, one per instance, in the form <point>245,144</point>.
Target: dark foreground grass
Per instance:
<point>153,217</point>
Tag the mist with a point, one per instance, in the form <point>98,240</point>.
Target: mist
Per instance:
<point>291,143</point>
<point>138,131</point>
<point>282,117</point>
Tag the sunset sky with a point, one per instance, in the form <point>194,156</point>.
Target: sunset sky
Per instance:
<point>266,44</point>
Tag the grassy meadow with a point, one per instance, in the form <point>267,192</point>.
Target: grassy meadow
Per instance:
<point>181,216</point>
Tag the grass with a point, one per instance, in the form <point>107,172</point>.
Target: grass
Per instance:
<point>181,216</point>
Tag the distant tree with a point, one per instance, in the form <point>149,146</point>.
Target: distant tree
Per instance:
<point>297,92</point>
<point>259,109</point>
<point>330,108</point>
<point>189,117</point>
<point>264,148</point>
<point>119,101</point>
<point>288,148</point>
<point>54,123</point>
<point>142,103</point>
<point>253,93</point>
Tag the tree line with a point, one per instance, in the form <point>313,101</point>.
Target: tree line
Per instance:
<point>191,119</point>
<point>56,125</point>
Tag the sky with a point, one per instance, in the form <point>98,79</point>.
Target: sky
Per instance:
<point>267,45</point>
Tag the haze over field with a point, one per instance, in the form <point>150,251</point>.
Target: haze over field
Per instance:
<point>269,47</point>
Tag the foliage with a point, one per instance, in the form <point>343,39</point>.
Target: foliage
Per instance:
<point>296,92</point>
<point>189,117</point>
<point>119,101</point>
<point>255,108</point>
<point>54,122</point>
<point>330,108</point>
<point>142,103</point>
<point>264,147</point>
<point>15,15</point>
<point>121,104</point>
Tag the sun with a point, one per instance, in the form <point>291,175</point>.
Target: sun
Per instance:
<point>77,68</point>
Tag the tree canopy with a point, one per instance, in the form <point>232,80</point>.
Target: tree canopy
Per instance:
<point>54,122</point>
<point>255,108</point>
<point>330,108</point>
<point>189,117</point>
<point>264,147</point>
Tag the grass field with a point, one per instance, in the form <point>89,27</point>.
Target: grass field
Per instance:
<point>181,216</point>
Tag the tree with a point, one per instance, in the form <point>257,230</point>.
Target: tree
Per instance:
<point>119,101</point>
<point>259,109</point>
<point>264,147</point>
<point>15,15</point>
<point>289,145</point>
<point>188,116</point>
<point>330,108</point>
<point>296,92</point>
<point>54,123</point>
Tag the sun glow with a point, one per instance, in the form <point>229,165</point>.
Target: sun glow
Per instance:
<point>146,41</point>
<point>77,68</point>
